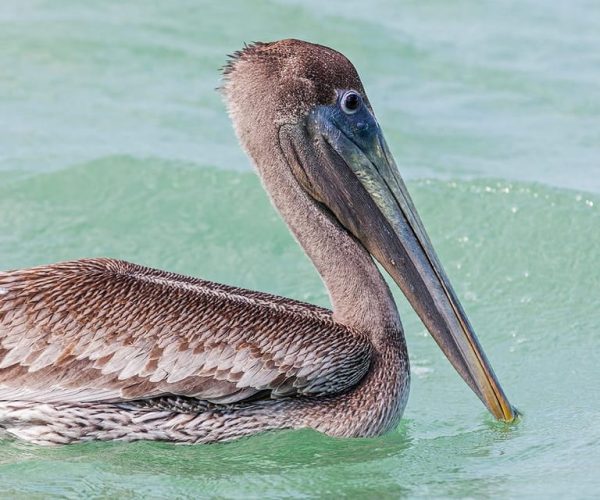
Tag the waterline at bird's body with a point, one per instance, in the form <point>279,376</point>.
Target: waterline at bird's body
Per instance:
<point>102,349</point>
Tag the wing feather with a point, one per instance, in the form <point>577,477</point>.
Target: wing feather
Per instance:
<point>108,330</point>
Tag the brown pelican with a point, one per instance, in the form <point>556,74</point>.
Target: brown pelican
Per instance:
<point>102,349</point>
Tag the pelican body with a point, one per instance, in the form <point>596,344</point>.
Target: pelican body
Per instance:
<point>102,349</point>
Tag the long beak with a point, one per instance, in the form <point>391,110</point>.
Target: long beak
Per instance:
<point>359,182</point>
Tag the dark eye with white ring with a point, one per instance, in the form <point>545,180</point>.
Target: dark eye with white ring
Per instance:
<point>350,102</point>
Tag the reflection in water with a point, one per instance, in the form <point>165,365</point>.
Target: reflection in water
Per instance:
<point>285,459</point>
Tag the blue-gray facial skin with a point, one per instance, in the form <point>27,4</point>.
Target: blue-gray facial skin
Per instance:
<point>353,174</point>
<point>352,117</point>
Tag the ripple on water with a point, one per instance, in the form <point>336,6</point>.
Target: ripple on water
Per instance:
<point>99,208</point>
<point>101,145</point>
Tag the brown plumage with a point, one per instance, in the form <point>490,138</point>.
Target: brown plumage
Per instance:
<point>104,349</point>
<point>71,330</point>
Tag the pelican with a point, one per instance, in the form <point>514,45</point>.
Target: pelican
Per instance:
<point>101,349</point>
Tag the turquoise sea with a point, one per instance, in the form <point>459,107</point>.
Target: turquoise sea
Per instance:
<point>113,142</point>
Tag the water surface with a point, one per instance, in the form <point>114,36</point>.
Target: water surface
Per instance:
<point>114,143</point>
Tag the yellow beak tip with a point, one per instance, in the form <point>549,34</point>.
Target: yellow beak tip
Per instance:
<point>510,415</point>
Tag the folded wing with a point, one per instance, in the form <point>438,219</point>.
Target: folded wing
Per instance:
<point>108,330</point>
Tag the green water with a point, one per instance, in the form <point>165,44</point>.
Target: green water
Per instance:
<point>113,142</point>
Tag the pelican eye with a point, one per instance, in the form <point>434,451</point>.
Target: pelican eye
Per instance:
<point>350,102</point>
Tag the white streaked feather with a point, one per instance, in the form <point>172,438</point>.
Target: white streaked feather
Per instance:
<point>184,367</point>
<point>154,338</point>
<point>47,357</point>
<point>134,366</point>
<point>57,394</point>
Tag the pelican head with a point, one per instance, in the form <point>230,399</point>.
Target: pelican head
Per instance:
<point>306,103</point>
